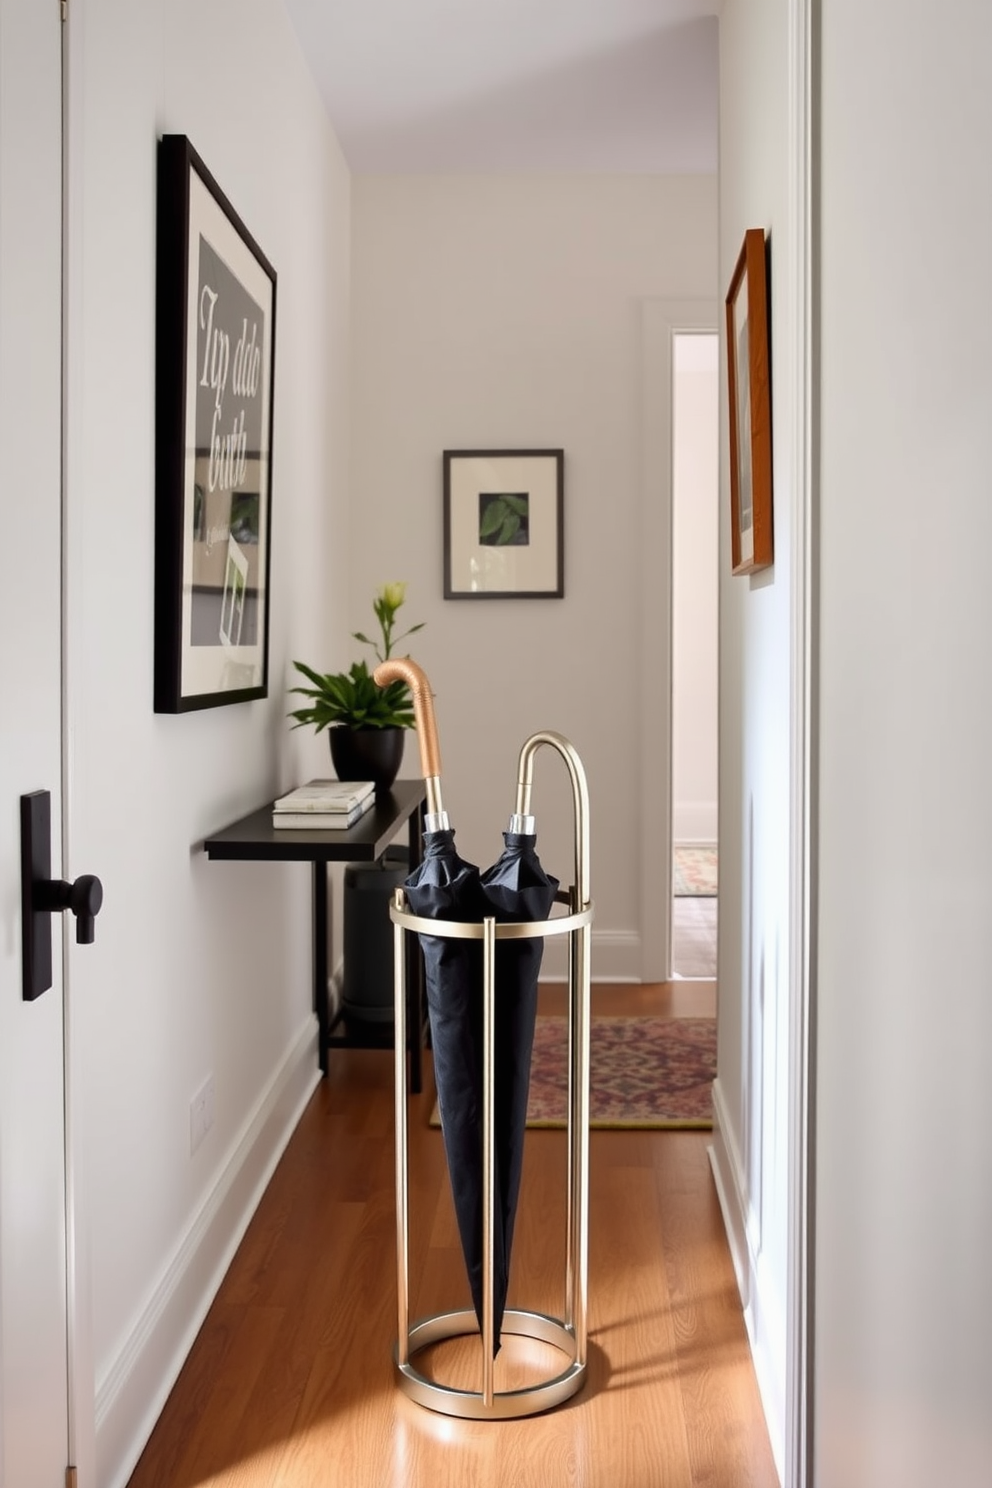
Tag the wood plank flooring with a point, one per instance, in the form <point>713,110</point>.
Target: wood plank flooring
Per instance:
<point>290,1384</point>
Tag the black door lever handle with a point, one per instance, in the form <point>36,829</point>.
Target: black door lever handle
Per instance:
<point>83,896</point>
<point>42,896</point>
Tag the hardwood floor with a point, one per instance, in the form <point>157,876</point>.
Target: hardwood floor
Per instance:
<point>290,1383</point>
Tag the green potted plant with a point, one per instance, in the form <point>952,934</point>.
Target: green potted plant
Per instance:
<point>365,723</point>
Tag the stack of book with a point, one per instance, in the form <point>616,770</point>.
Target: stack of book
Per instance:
<point>324,804</point>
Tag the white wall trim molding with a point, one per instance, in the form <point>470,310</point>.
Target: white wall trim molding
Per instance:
<point>762,1314</point>
<point>615,957</point>
<point>335,989</point>
<point>694,824</point>
<point>660,321</point>
<point>80,1384</point>
<point>798,1418</point>
<point>729,1177</point>
<point>133,1390</point>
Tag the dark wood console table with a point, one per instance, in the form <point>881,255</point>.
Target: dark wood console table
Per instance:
<point>254,838</point>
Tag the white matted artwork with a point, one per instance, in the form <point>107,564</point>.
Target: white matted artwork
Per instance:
<point>503,524</point>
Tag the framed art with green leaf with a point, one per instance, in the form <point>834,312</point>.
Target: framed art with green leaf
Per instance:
<point>503,524</point>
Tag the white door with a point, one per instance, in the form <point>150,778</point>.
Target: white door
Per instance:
<point>33,1352</point>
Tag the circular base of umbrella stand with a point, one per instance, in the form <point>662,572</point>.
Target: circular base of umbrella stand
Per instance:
<point>506,1405</point>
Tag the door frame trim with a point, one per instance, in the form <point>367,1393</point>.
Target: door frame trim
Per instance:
<point>80,1381</point>
<point>661,321</point>
<point>803,770</point>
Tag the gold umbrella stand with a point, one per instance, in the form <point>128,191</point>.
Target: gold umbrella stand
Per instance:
<point>567,1334</point>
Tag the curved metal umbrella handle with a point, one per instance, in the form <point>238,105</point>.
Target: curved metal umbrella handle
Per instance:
<point>402,669</point>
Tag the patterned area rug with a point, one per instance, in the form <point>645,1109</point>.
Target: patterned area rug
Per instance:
<point>694,872</point>
<point>644,1073</point>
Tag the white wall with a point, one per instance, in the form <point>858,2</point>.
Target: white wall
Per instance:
<point>505,312</point>
<point>750,1136</point>
<point>904,1102</point>
<point>198,968</point>
<point>695,587</point>
<point>902,869</point>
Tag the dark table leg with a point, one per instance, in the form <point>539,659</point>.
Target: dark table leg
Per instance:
<point>320,959</point>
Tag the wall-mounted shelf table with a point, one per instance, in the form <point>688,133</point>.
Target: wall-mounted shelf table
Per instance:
<point>255,839</point>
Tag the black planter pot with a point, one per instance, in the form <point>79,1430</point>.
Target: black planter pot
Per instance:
<point>367,754</point>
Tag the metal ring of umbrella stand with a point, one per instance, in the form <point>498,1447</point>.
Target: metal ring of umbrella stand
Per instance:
<point>569,1334</point>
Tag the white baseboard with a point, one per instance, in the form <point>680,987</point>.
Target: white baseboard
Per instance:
<point>133,1390</point>
<point>694,823</point>
<point>615,956</point>
<point>335,990</point>
<point>759,1296</point>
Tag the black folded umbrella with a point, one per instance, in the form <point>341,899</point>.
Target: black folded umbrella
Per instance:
<point>517,890</point>
<point>445,887</point>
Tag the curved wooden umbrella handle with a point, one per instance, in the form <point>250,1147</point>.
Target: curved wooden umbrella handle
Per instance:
<point>402,669</point>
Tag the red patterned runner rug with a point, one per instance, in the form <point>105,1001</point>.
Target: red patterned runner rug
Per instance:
<point>653,1073</point>
<point>694,872</point>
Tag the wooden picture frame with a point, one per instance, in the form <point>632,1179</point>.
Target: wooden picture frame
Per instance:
<point>749,402</point>
<point>215,363</point>
<point>504,514</point>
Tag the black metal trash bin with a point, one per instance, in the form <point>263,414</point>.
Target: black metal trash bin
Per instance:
<point>367,985</point>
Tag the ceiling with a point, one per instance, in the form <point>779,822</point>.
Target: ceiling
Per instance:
<point>517,85</point>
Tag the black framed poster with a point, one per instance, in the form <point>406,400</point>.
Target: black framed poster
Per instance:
<point>215,356</point>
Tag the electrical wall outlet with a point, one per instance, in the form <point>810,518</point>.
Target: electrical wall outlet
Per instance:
<point>201,1114</point>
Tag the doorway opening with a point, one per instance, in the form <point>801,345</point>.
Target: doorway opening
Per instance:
<point>695,589</point>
